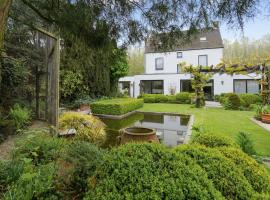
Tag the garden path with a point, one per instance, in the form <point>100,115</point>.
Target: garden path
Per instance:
<point>212,104</point>
<point>8,144</point>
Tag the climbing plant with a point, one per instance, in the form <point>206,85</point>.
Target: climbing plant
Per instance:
<point>198,82</point>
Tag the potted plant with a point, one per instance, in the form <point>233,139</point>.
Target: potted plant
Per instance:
<point>265,114</point>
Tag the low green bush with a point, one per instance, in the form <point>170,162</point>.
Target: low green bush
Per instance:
<point>88,127</point>
<point>245,143</point>
<point>20,115</point>
<point>232,102</point>
<point>217,98</point>
<point>183,97</point>
<point>36,182</point>
<point>149,171</point>
<point>38,146</point>
<point>248,99</point>
<point>228,177</point>
<point>116,106</point>
<point>78,162</point>
<point>213,140</point>
<point>253,171</point>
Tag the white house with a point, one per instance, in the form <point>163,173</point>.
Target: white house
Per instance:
<point>163,76</point>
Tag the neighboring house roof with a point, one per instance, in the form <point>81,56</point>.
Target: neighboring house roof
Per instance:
<point>204,40</point>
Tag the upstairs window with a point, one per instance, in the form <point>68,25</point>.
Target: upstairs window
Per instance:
<point>202,60</point>
<point>179,54</point>
<point>159,63</point>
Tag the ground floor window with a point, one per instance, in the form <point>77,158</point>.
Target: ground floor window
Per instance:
<point>152,87</point>
<point>185,86</point>
<point>246,86</point>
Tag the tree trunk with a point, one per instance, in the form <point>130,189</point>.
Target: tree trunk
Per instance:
<point>4,9</point>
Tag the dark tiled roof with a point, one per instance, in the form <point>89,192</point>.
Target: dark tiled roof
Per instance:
<point>213,40</point>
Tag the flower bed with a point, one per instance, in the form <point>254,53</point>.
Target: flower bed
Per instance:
<point>116,106</point>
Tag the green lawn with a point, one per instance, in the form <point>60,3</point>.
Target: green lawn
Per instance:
<point>222,122</point>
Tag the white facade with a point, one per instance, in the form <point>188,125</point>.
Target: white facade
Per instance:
<point>163,67</point>
<point>171,60</point>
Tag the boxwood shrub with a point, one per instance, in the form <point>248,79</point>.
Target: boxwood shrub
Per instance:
<point>256,175</point>
<point>232,102</point>
<point>248,99</point>
<point>149,171</point>
<point>181,98</point>
<point>116,106</point>
<point>227,176</point>
<point>213,140</point>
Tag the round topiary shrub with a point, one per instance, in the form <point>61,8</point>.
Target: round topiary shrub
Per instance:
<point>248,99</point>
<point>88,128</point>
<point>212,140</point>
<point>232,102</point>
<point>254,173</point>
<point>183,97</point>
<point>149,171</point>
<point>227,176</point>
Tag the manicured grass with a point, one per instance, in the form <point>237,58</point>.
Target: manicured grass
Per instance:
<point>221,122</point>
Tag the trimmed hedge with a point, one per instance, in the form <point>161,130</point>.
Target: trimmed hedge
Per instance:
<point>180,98</point>
<point>233,102</point>
<point>228,177</point>
<point>149,171</point>
<point>116,106</point>
<point>248,99</point>
<point>212,140</point>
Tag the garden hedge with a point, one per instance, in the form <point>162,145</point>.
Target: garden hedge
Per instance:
<point>118,106</point>
<point>149,171</point>
<point>180,98</point>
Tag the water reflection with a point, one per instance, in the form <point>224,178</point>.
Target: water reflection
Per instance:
<point>171,129</point>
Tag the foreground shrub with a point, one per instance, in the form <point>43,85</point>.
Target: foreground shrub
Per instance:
<point>38,146</point>
<point>213,140</point>
<point>116,106</point>
<point>254,173</point>
<point>227,177</point>
<point>248,99</point>
<point>20,115</point>
<point>78,162</point>
<point>34,183</point>
<point>88,127</point>
<point>183,97</point>
<point>148,171</point>
<point>232,102</point>
<point>245,143</point>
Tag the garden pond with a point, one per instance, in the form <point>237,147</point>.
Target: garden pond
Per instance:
<point>171,129</point>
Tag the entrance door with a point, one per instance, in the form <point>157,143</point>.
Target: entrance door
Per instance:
<point>209,90</point>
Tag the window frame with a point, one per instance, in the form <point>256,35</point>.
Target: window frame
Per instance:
<point>179,52</point>
<point>151,86</point>
<point>246,82</point>
<point>206,60</point>
<point>162,63</point>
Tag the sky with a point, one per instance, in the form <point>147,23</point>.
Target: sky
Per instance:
<point>254,29</point>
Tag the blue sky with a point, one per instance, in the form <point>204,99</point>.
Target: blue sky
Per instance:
<point>254,29</point>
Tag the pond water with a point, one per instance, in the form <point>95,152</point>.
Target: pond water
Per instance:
<point>171,129</point>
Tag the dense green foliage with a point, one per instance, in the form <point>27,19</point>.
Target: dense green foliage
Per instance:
<point>147,171</point>
<point>116,106</point>
<point>248,99</point>
<point>136,61</point>
<point>229,178</point>
<point>21,116</point>
<point>78,162</point>
<point>232,102</point>
<point>181,98</point>
<point>88,128</point>
<point>245,142</point>
<point>212,140</point>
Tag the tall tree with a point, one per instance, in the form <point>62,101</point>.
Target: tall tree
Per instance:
<point>4,10</point>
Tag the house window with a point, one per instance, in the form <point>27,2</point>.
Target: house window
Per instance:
<point>202,60</point>
<point>152,87</point>
<point>159,63</point>
<point>179,54</point>
<point>186,86</point>
<point>246,86</point>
